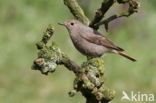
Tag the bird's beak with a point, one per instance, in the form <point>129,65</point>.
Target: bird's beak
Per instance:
<point>61,24</point>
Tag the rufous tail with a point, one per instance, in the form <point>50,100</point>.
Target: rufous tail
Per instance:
<point>126,56</point>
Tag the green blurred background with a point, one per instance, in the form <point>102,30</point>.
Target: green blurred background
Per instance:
<point>22,23</point>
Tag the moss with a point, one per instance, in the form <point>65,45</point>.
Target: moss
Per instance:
<point>94,64</point>
<point>94,69</point>
<point>40,45</point>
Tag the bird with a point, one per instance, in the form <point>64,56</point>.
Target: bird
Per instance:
<point>90,42</point>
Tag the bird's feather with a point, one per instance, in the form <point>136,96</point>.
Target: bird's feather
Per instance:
<point>101,40</point>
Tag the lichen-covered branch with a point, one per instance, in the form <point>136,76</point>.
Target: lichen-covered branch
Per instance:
<point>105,6</point>
<point>51,56</point>
<point>76,11</point>
<point>89,76</point>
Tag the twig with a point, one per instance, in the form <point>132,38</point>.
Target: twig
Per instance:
<point>106,4</point>
<point>76,11</point>
<point>133,7</point>
<point>111,18</point>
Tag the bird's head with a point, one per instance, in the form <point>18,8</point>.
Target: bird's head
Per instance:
<point>71,24</point>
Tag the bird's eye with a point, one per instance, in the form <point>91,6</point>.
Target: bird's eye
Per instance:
<point>72,23</point>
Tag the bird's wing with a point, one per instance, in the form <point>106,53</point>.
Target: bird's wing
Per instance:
<point>101,40</point>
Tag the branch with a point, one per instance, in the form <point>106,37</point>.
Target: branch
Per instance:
<point>51,56</point>
<point>89,77</point>
<point>76,10</point>
<point>133,7</point>
<point>106,4</point>
<point>111,18</point>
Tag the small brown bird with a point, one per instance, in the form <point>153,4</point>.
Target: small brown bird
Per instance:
<point>90,42</point>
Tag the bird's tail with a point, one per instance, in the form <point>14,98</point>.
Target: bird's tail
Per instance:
<point>126,56</point>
